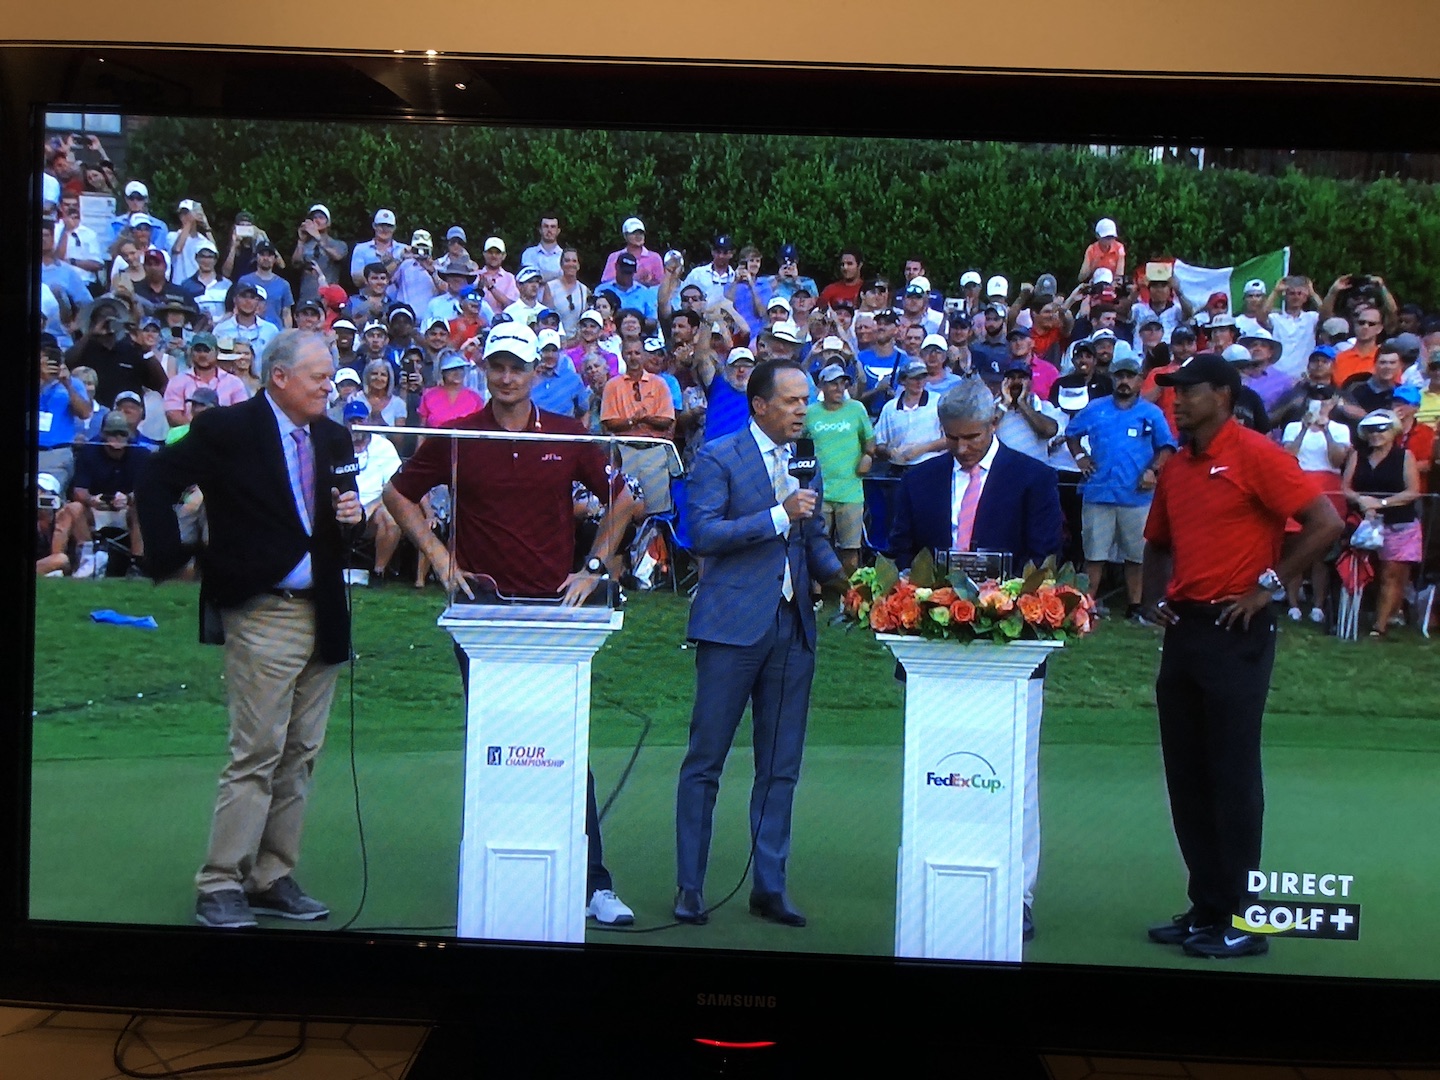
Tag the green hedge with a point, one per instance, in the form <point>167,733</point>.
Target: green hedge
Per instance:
<point>997,207</point>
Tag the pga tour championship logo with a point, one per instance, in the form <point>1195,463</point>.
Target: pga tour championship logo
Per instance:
<point>965,771</point>
<point>532,757</point>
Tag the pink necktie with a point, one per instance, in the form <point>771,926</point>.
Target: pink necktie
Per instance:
<point>306,459</point>
<point>965,523</point>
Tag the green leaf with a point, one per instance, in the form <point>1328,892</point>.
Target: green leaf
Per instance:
<point>886,575</point>
<point>922,570</point>
<point>1012,626</point>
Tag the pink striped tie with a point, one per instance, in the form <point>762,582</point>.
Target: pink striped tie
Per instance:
<point>965,523</point>
<point>306,460</point>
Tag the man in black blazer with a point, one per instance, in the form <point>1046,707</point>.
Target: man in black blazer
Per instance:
<point>278,479</point>
<point>1017,510</point>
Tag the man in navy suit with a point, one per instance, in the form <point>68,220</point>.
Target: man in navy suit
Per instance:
<point>763,544</point>
<point>983,496</point>
<point>278,478</point>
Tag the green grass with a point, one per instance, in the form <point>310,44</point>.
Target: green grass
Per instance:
<point>126,757</point>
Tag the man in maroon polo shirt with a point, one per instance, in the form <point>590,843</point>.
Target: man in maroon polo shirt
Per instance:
<point>515,519</point>
<point>1219,515</point>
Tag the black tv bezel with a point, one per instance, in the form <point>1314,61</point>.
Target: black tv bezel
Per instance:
<point>808,1000</point>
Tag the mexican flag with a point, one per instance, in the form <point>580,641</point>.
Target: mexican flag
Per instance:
<point>1197,283</point>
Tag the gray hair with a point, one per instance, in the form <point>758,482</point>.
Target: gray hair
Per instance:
<point>281,352</point>
<point>374,366</point>
<point>969,403</point>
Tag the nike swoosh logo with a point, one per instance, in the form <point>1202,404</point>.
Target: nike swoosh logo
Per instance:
<point>1218,468</point>
<point>1230,942</point>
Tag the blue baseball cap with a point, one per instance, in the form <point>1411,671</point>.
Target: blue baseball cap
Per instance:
<point>356,410</point>
<point>1410,395</point>
<point>1327,351</point>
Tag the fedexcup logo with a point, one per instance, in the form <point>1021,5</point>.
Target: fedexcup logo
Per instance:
<point>959,772</point>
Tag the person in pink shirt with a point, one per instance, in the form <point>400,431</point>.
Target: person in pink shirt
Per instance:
<point>452,398</point>
<point>588,330</point>
<point>204,371</point>
<point>649,269</point>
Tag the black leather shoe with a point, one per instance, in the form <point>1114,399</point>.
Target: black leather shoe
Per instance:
<point>1027,925</point>
<point>776,908</point>
<point>690,907</point>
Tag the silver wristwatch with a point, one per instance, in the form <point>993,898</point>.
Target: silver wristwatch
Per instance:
<point>1270,581</point>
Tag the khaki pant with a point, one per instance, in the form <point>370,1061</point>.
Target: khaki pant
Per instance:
<point>279,698</point>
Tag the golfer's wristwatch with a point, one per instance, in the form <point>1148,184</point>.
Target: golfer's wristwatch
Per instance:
<point>1270,581</point>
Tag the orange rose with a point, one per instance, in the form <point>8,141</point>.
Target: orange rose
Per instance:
<point>996,600</point>
<point>852,602</point>
<point>909,612</point>
<point>944,596</point>
<point>1080,617</point>
<point>1054,609</point>
<point>881,619</point>
<point>962,611</point>
<point>1032,609</point>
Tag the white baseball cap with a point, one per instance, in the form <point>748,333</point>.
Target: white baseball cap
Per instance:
<point>833,344</point>
<point>135,187</point>
<point>632,224</point>
<point>740,353</point>
<point>997,286</point>
<point>778,301</point>
<point>347,374</point>
<point>1103,275</point>
<point>786,331</point>
<point>970,277</point>
<point>1255,285</point>
<point>493,243</point>
<point>934,341</point>
<point>321,207</point>
<point>547,337</point>
<point>514,339</point>
<point>1105,227</point>
<point>384,217</point>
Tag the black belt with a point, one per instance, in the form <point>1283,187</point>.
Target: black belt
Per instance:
<point>292,594</point>
<point>1197,607</point>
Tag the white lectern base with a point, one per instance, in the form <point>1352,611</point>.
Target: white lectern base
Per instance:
<point>960,880</point>
<point>527,751</point>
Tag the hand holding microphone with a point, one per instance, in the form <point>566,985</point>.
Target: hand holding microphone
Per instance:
<point>801,504</point>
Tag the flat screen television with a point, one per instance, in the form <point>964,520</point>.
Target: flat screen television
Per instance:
<point>113,734</point>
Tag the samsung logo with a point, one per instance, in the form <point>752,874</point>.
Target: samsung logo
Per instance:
<point>735,1001</point>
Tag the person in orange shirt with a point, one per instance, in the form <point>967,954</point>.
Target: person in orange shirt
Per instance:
<point>639,403</point>
<point>1106,251</point>
<point>1359,359</point>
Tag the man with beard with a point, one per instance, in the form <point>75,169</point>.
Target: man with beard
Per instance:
<point>848,286</point>
<point>1130,442</point>
<point>992,352</point>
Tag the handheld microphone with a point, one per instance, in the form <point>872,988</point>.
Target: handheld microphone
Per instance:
<point>803,463</point>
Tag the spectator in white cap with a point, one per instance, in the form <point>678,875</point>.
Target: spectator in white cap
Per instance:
<point>777,310</point>
<point>908,430</point>
<point>845,446</point>
<point>279,302</point>
<point>935,350</point>
<point>496,283</point>
<point>206,288</point>
<point>997,290</point>
<point>318,255</point>
<point>649,269</point>
<point>974,303</point>
<point>347,385</point>
<point>1262,376</point>
<point>415,282</point>
<point>527,309</point>
<point>184,242</point>
<point>382,249</point>
<point>545,256</point>
<point>915,309</point>
<point>588,329</point>
<point>558,388</point>
<point>1106,251</point>
<point>1253,315</point>
<point>137,201</point>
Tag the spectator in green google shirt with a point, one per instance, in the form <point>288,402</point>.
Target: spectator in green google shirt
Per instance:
<point>845,446</point>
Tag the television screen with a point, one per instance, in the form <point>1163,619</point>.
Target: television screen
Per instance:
<point>843,776</point>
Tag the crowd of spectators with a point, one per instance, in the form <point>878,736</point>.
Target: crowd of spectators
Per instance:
<point>150,322</point>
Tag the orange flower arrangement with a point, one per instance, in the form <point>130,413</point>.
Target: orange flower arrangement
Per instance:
<point>1044,604</point>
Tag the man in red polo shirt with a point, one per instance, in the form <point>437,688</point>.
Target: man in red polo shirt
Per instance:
<point>515,519</point>
<point>1219,515</point>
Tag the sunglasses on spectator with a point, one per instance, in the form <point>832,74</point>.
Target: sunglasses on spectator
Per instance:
<point>637,392</point>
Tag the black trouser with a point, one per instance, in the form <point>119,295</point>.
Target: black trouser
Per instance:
<point>1210,696</point>
<point>596,876</point>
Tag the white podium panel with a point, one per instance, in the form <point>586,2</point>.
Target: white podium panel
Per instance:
<point>527,751</point>
<point>960,879</point>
